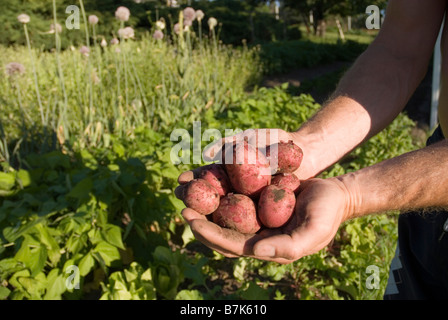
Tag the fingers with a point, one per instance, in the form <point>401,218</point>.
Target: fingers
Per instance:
<point>228,242</point>
<point>225,241</point>
<point>259,137</point>
<point>305,240</point>
<point>187,176</point>
<point>183,179</point>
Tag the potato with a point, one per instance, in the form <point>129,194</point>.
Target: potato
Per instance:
<point>276,206</point>
<point>216,175</point>
<point>200,196</point>
<point>286,155</point>
<point>249,171</point>
<point>286,180</point>
<point>237,212</point>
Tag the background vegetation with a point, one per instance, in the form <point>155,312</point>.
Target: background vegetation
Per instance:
<point>86,177</point>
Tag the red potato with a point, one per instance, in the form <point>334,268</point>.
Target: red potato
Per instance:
<point>249,171</point>
<point>276,206</point>
<point>237,212</point>
<point>286,180</point>
<point>284,157</point>
<point>200,196</point>
<point>216,175</point>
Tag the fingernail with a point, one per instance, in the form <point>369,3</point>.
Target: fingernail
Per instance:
<point>265,251</point>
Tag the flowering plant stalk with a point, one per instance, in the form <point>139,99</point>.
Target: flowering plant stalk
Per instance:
<point>60,72</point>
<point>36,81</point>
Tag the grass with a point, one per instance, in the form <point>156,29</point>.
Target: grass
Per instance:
<point>332,35</point>
<point>110,185</point>
<point>113,90</point>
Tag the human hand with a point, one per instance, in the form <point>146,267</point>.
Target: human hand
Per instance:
<point>321,207</point>
<point>315,222</point>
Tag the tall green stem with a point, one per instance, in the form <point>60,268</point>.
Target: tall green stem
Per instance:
<point>36,82</point>
<point>60,72</point>
<point>123,52</point>
<point>86,25</point>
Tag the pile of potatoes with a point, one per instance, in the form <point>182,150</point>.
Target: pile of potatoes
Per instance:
<point>248,195</point>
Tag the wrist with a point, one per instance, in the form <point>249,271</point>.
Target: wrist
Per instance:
<point>353,197</point>
<point>316,158</point>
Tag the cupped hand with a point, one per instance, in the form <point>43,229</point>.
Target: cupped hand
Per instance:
<point>321,206</point>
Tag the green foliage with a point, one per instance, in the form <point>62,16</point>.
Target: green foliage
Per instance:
<point>281,57</point>
<point>87,204</point>
<point>96,207</point>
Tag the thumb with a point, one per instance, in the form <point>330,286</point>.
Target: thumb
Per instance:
<point>305,240</point>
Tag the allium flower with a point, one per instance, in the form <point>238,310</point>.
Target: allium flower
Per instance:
<point>212,23</point>
<point>93,19</point>
<point>126,33</point>
<point>160,24</point>
<point>23,18</point>
<point>122,14</point>
<point>199,15</point>
<point>103,43</point>
<point>84,51</point>
<point>188,23</point>
<point>14,68</point>
<point>114,41</point>
<point>158,35</point>
<point>95,78</point>
<point>189,14</point>
<point>177,28</point>
<point>57,28</point>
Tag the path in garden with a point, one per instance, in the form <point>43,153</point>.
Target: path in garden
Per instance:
<point>418,107</point>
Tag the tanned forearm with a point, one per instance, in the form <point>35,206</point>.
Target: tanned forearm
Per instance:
<point>365,102</point>
<point>415,180</point>
<point>376,89</point>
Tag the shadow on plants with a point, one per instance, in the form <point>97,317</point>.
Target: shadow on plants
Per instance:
<point>102,211</point>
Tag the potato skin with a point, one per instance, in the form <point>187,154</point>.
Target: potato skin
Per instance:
<point>201,196</point>
<point>249,171</point>
<point>276,206</point>
<point>287,155</point>
<point>216,175</point>
<point>286,180</point>
<point>237,212</point>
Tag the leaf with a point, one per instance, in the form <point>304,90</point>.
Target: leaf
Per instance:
<point>240,269</point>
<point>108,252</point>
<point>118,149</point>
<point>7,181</point>
<point>86,264</point>
<point>52,246</point>
<point>32,254</point>
<point>112,235</point>
<point>255,292</point>
<point>195,272</point>
<point>163,254</point>
<point>4,293</point>
<point>189,295</point>
<point>24,178</point>
<point>81,190</point>
<point>88,160</point>
<point>55,285</point>
<point>187,235</point>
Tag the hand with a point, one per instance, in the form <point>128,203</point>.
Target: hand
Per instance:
<point>321,208</point>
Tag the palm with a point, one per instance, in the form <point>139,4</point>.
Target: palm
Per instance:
<point>319,212</point>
